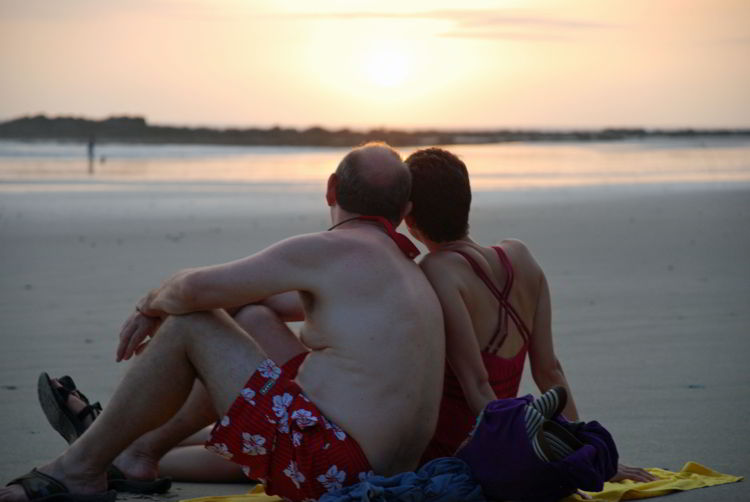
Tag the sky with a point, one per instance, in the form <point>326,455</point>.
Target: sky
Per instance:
<point>474,64</point>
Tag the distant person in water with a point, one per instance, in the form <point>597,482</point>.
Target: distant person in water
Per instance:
<point>495,300</point>
<point>90,149</point>
<point>356,393</point>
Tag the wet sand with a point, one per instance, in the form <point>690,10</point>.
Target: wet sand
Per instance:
<point>650,289</point>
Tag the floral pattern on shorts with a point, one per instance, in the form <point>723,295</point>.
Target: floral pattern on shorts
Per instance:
<point>282,440</point>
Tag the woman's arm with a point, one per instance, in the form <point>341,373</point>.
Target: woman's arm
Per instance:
<point>461,346</point>
<point>547,370</point>
<point>545,366</point>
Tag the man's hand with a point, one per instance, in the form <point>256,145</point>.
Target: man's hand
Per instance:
<point>634,473</point>
<point>135,333</point>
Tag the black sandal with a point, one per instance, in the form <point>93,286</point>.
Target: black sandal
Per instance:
<point>116,480</point>
<point>40,487</point>
<point>71,425</point>
<point>54,401</point>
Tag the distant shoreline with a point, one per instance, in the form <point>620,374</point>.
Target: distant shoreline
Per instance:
<point>137,130</point>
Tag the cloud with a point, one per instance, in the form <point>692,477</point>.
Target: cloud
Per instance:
<point>463,17</point>
<point>481,24</point>
<point>507,35</point>
<point>740,40</point>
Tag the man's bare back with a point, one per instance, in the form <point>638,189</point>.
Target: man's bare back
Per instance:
<point>375,330</point>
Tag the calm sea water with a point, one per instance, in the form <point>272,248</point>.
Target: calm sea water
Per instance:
<point>499,166</point>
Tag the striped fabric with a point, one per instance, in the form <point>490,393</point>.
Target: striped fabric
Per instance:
<point>545,407</point>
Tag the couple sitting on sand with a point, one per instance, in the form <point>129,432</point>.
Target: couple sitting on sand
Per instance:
<point>364,388</point>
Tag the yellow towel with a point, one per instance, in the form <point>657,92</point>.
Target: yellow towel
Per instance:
<point>257,494</point>
<point>692,475</point>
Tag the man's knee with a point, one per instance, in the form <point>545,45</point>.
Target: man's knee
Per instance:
<point>255,316</point>
<point>194,322</point>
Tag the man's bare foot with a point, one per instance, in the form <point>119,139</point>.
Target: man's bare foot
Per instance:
<point>137,464</point>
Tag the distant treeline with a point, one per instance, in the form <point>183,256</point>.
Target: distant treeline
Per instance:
<point>137,130</point>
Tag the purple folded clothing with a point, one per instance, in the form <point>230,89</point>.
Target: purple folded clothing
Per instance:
<point>502,460</point>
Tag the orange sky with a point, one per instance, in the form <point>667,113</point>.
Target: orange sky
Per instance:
<point>469,64</point>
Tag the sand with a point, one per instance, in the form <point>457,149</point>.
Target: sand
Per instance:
<point>650,289</point>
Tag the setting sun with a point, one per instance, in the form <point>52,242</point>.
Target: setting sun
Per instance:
<point>387,66</point>
<point>336,63</point>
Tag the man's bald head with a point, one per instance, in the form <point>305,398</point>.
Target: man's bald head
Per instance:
<point>373,180</point>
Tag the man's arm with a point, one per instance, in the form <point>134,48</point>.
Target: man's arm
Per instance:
<point>290,265</point>
<point>285,266</point>
<point>287,306</point>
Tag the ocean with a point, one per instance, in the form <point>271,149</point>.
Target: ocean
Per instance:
<point>508,166</point>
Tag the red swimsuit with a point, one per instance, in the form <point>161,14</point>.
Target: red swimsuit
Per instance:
<point>456,419</point>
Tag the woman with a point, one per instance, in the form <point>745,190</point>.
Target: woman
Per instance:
<point>495,300</point>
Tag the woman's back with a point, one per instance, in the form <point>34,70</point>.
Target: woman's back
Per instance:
<point>488,330</point>
<point>500,306</point>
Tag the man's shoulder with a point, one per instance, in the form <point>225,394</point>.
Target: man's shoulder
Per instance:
<point>321,238</point>
<point>323,246</point>
<point>311,246</point>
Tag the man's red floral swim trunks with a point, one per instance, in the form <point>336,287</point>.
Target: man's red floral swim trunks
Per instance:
<point>283,440</point>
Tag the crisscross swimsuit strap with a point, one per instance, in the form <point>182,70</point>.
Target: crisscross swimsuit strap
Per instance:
<point>506,309</point>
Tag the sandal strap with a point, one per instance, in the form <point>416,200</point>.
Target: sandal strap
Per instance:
<point>70,387</point>
<point>67,382</point>
<point>65,393</point>
<point>37,485</point>
<point>115,474</point>
<point>91,410</point>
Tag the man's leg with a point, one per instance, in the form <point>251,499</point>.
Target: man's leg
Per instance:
<point>196,464</point>
<point>278,342</point>
<point>163,451</point>
<point>208,346</point>
<point>144,458</point>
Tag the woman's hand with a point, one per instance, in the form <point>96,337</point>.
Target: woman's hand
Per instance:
<point>634,473</point>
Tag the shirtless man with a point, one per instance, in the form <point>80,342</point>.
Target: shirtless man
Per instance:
<point>365,398</point>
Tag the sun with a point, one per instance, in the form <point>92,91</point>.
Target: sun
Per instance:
<point>387,66</point>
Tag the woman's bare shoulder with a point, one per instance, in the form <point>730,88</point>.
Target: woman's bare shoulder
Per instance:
<point>436,260</point>
<point>521,258</point>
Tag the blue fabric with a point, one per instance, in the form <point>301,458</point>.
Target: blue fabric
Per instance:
<point>441,480</point>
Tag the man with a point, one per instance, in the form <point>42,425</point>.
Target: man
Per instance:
<point>366,396</point>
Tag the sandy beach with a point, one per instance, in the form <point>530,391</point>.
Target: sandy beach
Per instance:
<point>650,289</point>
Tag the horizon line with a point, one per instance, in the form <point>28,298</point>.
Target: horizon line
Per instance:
<point>376,127</point>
